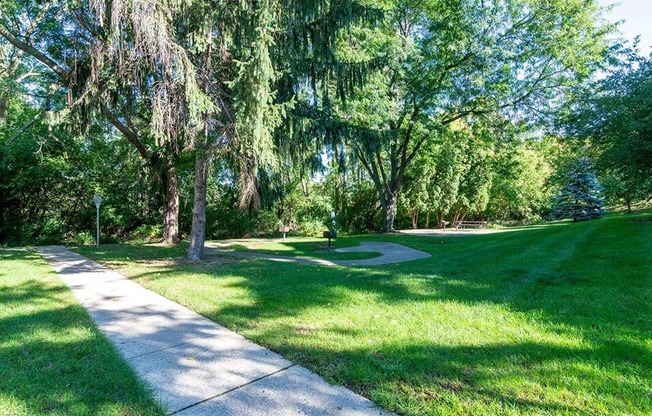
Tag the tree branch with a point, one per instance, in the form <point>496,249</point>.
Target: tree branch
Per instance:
<point>131,135</point>
<point>40,56</point>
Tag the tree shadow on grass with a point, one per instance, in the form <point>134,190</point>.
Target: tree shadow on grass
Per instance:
<point>539,276</point>
<point>530,378</point>
<point>556,281</point>
<point>54,361</point>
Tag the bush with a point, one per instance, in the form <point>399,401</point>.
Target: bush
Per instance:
<point>310,228</point>
<point>147,233</point>
<point>224,223</point>
<point>49,232</point>
<point>363,213</point>
<point>266,221</point>
<point>83,238</point>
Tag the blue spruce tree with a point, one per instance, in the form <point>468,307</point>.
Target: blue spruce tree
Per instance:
<point>581,196</point>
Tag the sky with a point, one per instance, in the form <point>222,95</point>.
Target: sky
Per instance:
<point>637,16</point>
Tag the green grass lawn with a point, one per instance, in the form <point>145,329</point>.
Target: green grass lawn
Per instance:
<point>550,319</point>
<point>53,361</point>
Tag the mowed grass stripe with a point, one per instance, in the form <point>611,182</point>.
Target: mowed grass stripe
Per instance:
<point>546,320</point>
<point>53,361</point>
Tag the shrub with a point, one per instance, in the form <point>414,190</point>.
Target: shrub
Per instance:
<point>266,221</point>
<point>310,228</point>
<point>49,232</point>
<point>224,223</point>
<point>83,238</point>
<point>363,213</point>
<point>147,233</point>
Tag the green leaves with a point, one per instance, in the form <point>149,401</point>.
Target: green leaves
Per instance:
<point>614,118</point>
<point>257,115</point>
<point>472,60</point>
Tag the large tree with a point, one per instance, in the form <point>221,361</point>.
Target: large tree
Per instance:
<point>199,75</point>
<point>521,188</point>
<point>102,64</point>
<point>613,117</point>
<point>266,54</point>
<point>451,60</point>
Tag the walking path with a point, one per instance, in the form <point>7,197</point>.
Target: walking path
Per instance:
<point>390,253</point>
<point>193,365</point>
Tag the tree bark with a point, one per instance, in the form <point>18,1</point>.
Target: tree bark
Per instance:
<point>171,208</point>
<point>343,199</point>
<point>198,231</point>
<point>4,108</point>
<point>427,219</point>
<point>304,187</point>
<point>336,180</point>
<point>441,219</point>
<point>628,201</point>
<point>389,212</point>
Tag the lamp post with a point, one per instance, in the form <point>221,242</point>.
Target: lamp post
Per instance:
<point>98,200</point>
<point>333,232</point>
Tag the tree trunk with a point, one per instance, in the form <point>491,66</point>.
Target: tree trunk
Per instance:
<point>415,218</point>
<point>198,231</point>
<point>171,209</point>
<point>336,169</point>
<point>304,187</point>
<point>457,218</point>
<point>2,209</point>
<point>4,108</point>
<point>342,208</point>
<point>336,204</point>
<point>389,211</point>
<point>427,219</point>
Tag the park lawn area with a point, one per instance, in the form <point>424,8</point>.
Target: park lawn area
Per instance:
<point>553,319</point>
<point>53,361</point>
<point>116,255</point>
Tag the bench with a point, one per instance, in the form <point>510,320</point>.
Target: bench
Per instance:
<point>471,224</point>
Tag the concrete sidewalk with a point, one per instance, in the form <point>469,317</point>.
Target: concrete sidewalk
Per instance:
<point>193,365</point>
<point>389,253</point>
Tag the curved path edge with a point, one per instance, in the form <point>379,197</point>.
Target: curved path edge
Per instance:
<point>390,253</point>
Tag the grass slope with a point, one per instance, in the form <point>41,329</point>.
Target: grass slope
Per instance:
<point>53,361</point>
<point>544,320</point>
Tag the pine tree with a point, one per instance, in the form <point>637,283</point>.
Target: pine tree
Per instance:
<point>581,196</point>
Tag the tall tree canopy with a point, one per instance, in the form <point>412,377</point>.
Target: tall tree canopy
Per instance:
<point>109,68</point>
<point>264,91</point>
<point>185,74</point>
<point>462,59</point>
<point>615,118</point>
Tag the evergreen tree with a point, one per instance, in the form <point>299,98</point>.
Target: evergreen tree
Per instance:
<point>581,196</point>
